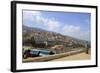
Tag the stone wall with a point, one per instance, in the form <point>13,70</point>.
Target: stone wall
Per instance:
<point>51,57</point>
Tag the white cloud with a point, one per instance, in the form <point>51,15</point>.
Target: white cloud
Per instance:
<point>36,17</point>
<point>52,24</point>
<point>71,28</point>
<point>75,31</point>
<point>28,14</point>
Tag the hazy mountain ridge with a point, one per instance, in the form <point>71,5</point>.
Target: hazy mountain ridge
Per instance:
<point>32,31</point>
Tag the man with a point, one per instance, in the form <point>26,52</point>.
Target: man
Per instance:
<point>87,48</point>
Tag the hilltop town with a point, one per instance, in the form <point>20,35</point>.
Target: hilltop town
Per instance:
<point>40,38</point>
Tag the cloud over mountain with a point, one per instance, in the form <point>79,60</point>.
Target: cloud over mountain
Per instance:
<point>40,20</point>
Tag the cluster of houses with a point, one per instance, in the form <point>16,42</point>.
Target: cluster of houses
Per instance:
<point>53,41</point>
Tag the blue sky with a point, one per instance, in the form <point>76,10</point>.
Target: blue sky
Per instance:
<point>73,24</point>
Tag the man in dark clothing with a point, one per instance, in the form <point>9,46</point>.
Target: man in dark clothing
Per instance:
<point>87,48</point>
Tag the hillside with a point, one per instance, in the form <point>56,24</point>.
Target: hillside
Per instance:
<point>40,35</point>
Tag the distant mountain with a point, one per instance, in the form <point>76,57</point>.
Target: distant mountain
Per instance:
<point>32,29</point>
<point>29,32</point>
<point>27,29</point>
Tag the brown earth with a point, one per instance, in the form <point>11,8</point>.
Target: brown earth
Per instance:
<point>80,56</point>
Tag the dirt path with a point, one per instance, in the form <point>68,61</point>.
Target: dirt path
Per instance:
<point>81,56</point>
